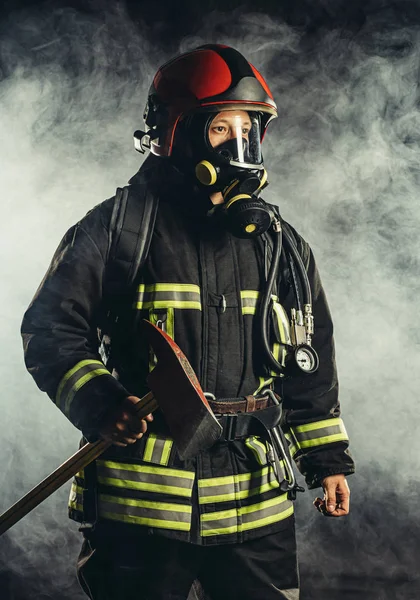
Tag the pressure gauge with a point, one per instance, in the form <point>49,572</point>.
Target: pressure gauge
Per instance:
<point>306,359</point>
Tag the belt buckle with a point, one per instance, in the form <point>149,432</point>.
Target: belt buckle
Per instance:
<point>231,420</point>
<point>229,425</point>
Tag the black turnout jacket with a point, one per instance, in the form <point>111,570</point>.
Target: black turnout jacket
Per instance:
<point>202,286</point>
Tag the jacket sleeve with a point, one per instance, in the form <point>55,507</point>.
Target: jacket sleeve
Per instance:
<point>316,433</point>
<point>59,328</point>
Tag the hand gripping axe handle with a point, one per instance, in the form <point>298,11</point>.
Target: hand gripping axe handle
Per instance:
<point>175,390</point>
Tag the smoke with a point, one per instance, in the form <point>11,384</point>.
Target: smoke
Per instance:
<point>343,162</point>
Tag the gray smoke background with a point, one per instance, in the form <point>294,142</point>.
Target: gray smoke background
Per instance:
<point>344,165</point>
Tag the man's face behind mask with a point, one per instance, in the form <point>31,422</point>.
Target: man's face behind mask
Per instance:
<point>231,126</point>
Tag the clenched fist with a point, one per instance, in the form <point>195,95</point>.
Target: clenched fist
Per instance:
<point>336,501</point>
<point>124,426</point>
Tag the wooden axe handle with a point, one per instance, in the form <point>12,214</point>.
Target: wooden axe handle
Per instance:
<point>66,471</point>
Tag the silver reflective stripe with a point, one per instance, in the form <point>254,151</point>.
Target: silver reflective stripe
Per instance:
<point>258,449</point>
<point>168,295</point>
<point>157,449</point>
<point>249,299</point>
<point>163,515</point>
<point>245,518</point>
<point>283,322</point>
<point>236,487</point>
<point>319,433</point>
<point>144,477</point>
<point>76,378</point>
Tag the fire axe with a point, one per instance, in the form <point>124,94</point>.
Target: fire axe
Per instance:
<point>175,389</point>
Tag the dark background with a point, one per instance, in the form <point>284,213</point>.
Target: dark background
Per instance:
<point>343,160</point>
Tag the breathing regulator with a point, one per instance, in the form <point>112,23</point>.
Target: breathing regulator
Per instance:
<point>208,110</point>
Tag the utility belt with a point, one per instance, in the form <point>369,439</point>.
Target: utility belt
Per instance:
<point>257,415</point>
<point>248,415</point>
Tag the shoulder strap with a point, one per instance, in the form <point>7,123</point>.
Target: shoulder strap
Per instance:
<point>131,229</point>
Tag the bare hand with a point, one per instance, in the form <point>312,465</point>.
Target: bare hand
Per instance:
<point>336,501</point>
<point>125,427</point>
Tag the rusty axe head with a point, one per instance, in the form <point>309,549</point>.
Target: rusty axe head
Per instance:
<point>180,397</point>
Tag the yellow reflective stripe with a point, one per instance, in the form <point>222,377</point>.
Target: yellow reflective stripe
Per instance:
<point>283,323</point>
<point>319,433</point>
<point>249,493</point>
<point>257,442</point>
<point>249,308</point>
<point>169,287</point>
<point>243,511</point>
<point>275,353</point>
<point>70,373</point>
<point>147,469</point>
<point>170,322</point>
<point>147,504</point>
<point>168,295</point>
<point>237,487</point>
<point>157,449</point>
<point>258,449</point>
<point>230,479</point>
<point>319,425</point>
<point>220,531</point>
<point>75,379</point>
<point>327,439</point>
<point>166,325</point>
<point>220,514</point>
<point>168,304</point>
<point>145,477</point>
<point>150,445</point>
<point>263,383</point>
<point>76,497</point>
<point>167,446</point>
<point>158,523</point>
<point>80,383</point>
<point>267,520</point>
<point>167,515</point>
<point>146,486</point>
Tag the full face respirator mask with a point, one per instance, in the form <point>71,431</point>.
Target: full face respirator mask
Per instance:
<point>230,144</point>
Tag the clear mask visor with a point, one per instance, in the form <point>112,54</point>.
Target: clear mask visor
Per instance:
<point>235,136</point>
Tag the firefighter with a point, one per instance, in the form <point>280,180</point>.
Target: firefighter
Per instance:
<point>238,289</point>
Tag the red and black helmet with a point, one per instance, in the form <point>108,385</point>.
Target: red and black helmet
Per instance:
<point>211,78</point>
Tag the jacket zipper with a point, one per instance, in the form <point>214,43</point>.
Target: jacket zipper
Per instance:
<point>204,347</point>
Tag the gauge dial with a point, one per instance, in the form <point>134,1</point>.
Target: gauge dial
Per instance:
<point>306,358</point>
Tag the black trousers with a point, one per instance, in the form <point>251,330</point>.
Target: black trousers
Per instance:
<point>156,568</point>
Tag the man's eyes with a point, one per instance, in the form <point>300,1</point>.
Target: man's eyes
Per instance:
<point>222,129</point>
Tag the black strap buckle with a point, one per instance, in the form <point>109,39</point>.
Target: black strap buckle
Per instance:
<point>228,422</point>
